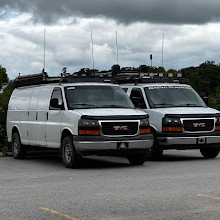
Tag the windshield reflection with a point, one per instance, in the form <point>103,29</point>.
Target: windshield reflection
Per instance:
<point>81,97</point>
<point>173,96</point>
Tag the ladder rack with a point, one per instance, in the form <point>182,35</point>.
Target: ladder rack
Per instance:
<point>117,75</point>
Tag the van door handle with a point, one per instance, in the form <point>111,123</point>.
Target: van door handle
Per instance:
<point>36,115</point>
<point>47,116</point>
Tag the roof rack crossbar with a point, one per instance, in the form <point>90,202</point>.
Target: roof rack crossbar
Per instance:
<point>117,75</point>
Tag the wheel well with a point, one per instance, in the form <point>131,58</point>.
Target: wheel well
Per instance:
<point>65,134</point>
<point>153,130</point>
<point>14,130</point>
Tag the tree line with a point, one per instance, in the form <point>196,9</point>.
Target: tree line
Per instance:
<point>205,79</point>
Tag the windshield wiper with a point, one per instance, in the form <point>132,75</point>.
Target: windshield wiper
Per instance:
<point>113,106</point>
<point>83,104</point>
<point>190,105</point>
<point>163,105</point>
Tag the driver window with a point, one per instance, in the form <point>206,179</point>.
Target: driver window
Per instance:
<point>137,98</point>
<point>57,93</point>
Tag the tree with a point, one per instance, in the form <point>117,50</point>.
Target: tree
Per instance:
<point>173,71</point>
<point>3,77</point>
<point>4,98</point>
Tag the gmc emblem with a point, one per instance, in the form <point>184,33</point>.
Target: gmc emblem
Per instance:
<point>198,125</point>
<point>120,128</point>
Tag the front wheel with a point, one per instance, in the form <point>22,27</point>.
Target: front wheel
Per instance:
<point>209,152</point>
<point>156,151</point>
<point>71,159</point>
<point>18,150</point>
<point>137,159</point>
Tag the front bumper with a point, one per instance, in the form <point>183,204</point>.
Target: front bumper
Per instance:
<point>188,140</point>
<point>87,145</point>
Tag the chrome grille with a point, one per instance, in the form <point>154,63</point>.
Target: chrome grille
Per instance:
<point>198,125</point>
<point>119,128</point>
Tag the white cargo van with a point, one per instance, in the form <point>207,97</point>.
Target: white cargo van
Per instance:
<point>80,118</point>
<point>179,118</point>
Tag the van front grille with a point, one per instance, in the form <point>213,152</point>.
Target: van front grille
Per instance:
<point>119,128</point>
<point>197,125</point>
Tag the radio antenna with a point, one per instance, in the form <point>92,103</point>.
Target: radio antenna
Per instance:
<point>162,47</point>
<point>44,48</point>
<point>116,42</point>
<point>92,51</point>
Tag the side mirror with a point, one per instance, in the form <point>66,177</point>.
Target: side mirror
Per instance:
<point>138,102</point>
<point>206,100</point>
<point>54,104</point>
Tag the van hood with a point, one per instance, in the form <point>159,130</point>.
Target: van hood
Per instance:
<point>110,112</point>
<point>186,110</point>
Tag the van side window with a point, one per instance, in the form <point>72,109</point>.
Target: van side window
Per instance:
<point>57,93</point>
<point>125,89</point>
<point>137,98</point>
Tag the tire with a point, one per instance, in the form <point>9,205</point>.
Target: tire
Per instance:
<point>209,152</point>
<point>18,150</point>
<point>156,152</point>
<point>70,158</point>
<point>137,159</point>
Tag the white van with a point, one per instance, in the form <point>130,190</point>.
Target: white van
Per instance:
<point>179,118</point>
<point>82,118</point>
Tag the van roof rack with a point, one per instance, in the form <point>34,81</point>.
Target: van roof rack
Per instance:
<point>126,75</point>
<point>43,78</point>
<point>117,75</point>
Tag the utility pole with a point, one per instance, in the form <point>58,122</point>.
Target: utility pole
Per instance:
<point>151,58</point>
<point>93,63</point>
<point>162,47</point>
<point>116,41</point>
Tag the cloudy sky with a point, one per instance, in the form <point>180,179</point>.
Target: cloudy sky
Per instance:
<point>191,30</point>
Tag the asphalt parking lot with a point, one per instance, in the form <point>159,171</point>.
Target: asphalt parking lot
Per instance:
<point>182,185</point>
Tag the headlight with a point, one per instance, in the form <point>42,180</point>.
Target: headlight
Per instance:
<point>144,122</point>
<point>144,126</point>
<point>171,125</point>
<point>88,127</point>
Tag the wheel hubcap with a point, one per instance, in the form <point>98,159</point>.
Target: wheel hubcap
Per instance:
<point>68,153</point>
<point>16,146</point>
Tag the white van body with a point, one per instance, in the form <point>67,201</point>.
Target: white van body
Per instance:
<point>38,124</point>
<point>197,126</point>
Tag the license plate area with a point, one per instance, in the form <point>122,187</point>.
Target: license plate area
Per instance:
<point>201,140</point>
<point>122,145</point>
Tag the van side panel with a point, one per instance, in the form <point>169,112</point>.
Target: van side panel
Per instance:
<point>37,123</point>
<point>18,113</point>
<point>33,115</point>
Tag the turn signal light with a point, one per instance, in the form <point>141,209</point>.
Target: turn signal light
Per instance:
<point>89,132</point>
<point>176,129</point>
<point>145,131</point>
<point>217,128</point>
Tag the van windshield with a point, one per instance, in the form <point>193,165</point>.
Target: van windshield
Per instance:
<point>173,96</point>
<point>81,97</point>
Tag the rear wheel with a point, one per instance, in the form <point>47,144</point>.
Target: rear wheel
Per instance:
<point>209,152</point>
<point>71,159</point>
<point>18,150</point>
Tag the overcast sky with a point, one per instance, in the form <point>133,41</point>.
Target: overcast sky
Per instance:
<point>191,30</point>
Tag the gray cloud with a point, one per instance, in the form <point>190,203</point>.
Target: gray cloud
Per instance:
<point>125,11</point>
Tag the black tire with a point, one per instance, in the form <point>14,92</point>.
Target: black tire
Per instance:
<point>18,150</point>
<point>209,152</point>
<point>137,159</point>
<point>70,158</point>
<point>156,152</point>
